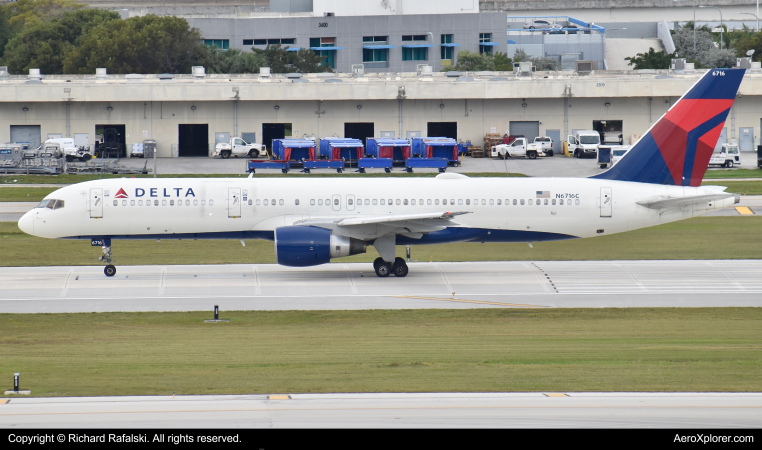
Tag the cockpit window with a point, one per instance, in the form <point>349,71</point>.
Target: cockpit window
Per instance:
<point>51,203</point>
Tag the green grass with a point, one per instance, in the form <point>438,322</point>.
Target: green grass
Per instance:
<point>661,349</point>
<point>74,178</point>
<point>725,237</point>
<point>740,187</point>
<point>24,194</point>
<point>733,173</point>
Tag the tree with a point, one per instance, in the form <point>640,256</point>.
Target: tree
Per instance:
<point>546,64</point>
<point>45,44</point>
<point>231,61</point>
<point>503,63</point>
<point>281,61</point>
<point>15,17</point>
<point>651,60</point>
<point>148,44</point>
<point>520,55</point>
<point>706,54</point>
<point>746,43</point>
<point>471,62</point>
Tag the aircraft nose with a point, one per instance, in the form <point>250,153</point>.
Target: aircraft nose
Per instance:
<point>26,223</point>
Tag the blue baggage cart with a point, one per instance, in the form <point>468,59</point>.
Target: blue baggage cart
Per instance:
<point>254,164</point>
<point>294,150</point>
<point>398,150</point>
<point>374,163</point>
<point>436,147</point>
<point>350,150</point>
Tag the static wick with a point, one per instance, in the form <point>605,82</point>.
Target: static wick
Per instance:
<point>243,243</point>
<point>529,244</point>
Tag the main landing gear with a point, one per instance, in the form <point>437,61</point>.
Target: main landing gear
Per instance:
<point>110,269</point>
<point>384,269</point>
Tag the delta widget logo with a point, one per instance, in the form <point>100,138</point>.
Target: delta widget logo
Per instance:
<point>121,194</point>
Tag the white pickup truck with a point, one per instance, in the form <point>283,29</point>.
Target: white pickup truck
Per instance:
<point>238,147</point>
<point>728,156</point>
<point>519,147</point>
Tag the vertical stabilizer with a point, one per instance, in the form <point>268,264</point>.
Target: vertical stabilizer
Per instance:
<point>677,148</point>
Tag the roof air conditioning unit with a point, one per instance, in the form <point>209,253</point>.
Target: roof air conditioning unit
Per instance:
<point>4,72</point>
<point>264,72</point>
<point>587,66</point>
<point>678,64</point>
<point>425,70</point>
<point>34,74</point>
<point>358,69</point>
<point>743,63</point>
<point>198,71</point>
<point>101,73</point>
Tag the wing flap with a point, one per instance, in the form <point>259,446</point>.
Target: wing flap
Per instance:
<point>398,218</point>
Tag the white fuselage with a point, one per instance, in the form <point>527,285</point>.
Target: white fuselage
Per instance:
<point>219,208</point>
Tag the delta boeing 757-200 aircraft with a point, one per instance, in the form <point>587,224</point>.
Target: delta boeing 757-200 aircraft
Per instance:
<point>312,221</point>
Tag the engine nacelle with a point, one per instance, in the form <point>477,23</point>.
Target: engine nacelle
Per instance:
<point>311,246</point>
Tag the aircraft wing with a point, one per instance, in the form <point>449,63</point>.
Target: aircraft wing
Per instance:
<point>678,202</point>
<point>373,226</point>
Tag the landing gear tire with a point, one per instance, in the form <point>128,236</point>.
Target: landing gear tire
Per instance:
<point>400,268</point>
<point>376,262</point>
<point>253,153</point>
<point>109,270</point>
<point>383,269</point>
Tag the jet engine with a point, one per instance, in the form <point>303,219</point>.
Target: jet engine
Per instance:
<point>311,246</point>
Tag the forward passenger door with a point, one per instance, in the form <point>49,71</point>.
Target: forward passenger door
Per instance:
<point>234,203</point>
<point>96,203</point>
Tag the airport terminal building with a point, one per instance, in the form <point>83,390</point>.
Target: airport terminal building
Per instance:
<point>391,96</point>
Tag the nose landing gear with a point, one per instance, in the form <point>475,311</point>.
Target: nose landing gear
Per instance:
<point>110,269</point>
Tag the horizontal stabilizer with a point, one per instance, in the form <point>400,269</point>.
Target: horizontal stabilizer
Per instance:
<point>679,202</point>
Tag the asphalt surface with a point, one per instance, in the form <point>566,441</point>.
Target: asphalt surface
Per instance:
<point>429,410</point>
<point>517,284</point>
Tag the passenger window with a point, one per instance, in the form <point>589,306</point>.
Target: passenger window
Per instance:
<point>328,201</point>
<point>468,201</point>
<point>312,202</point>
<point>484,202</point>
<point>436,201</point>
<point>296,202</point>
<point>251,202</point>
<point>460,201</point>
<point>514,201</point>
<point>116,202</point>
<point>267,202</point>
<point>545,201</point>
<point>259,202</point>
<point>124,202</point>
<point>336,201</point>
<point>195,202</point>
<point>163,203</point>
<point>444,201</point>
<point>398,201</point>
<point>391,202</point>
<point>412,202</point>
<point>405,201</point>
<point>530,201</point>
<point>522,201</point>
<point>498,202</point>
<point>179,203</point>
<point>203,202</point>
<point>576,202</point>
<point>171,203</point>
<point>428,202</point>
<point>140,202</point>
<point>320,202</point>
<point>539,202</point>
<point>452,201</point>
<point>211,202</point>
<point>491,202</point>
<point>367,202</point>
<point>273,202</point>
<point>476,201</point>
<point>553,201</point>
<point>375,202</point>
<point>383,201</point>
<point>349,201</point>
<point>132,202</point>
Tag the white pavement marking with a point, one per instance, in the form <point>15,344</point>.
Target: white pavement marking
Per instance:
<point>354,286</point>
<point>428,410</point>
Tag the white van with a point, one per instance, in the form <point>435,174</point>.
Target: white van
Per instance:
<point>584,144</point>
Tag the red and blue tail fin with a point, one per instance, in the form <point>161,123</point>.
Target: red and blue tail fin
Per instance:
<point>677,148</point>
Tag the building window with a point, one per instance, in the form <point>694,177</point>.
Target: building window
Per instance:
<point>485,38</point>
<point>414,53</point>
<point>446,51</point>
<point>222,44</point>
<point>260,41</point>
<point>330,54</point>
<point>248,42</point>
<point>375,55</point>
<point>418,37</point>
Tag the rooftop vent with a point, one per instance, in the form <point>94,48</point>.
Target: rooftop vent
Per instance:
<point>743,63</point>
<point>101,72</point>
<point>4,74</point>
<point>678,64</point>
<point>198,71</point>
<point>453,74</point>
<point>34,74</point>
<point>264,72</point>
<point>166,77</point>
<point>358,70</point>
<point>585,66</point>
<point>292,76</point>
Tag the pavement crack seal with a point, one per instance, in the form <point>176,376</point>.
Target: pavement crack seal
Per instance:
<point>547,277</point>
<point>478,302</point>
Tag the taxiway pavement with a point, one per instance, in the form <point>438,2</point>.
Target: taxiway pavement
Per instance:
<point>514,284</point>
<point>419,410</point>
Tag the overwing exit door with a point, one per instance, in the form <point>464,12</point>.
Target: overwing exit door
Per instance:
<point>606,202</point>
<point>234,203</point>
<point>96,202</point>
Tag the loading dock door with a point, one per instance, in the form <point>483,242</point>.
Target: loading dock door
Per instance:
<point>272,131</point>
<point>26,133</point>
<point>525,128</point>
<point>746,139</point>
<point>359,130</point>
<point>193,140</point>
<point>443,129</point>
<point>557,142</point>
<point>610,131</point>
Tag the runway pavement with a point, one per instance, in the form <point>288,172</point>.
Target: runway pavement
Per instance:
<point>427,410</point>
<point>517,284</point>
